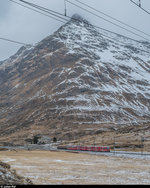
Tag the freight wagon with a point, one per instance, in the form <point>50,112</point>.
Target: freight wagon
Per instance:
<point>86,148</point>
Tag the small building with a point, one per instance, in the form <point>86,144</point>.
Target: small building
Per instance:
<point>44,139</point>
<point>39,139</point>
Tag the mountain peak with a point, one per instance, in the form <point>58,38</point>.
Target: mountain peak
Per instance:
<point>77,17</point>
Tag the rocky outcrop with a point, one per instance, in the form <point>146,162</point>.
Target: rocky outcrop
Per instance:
<point>10,177</point>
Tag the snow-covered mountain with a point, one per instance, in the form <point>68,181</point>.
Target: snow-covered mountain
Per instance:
<point>77,76</point>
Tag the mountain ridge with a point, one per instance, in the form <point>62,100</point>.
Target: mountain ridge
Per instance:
<point>77,76</point>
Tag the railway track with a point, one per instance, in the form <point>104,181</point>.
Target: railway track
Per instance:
<point>49,148</point>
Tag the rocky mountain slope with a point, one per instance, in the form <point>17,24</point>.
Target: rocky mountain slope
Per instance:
<point>9,176</point>
<point>79,78</point>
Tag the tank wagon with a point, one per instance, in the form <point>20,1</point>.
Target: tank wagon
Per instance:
<point>86,148</point>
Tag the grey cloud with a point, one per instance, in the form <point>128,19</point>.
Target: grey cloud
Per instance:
<point>21,24</point>
<point>4,8</point>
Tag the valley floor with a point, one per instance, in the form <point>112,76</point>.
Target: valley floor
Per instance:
<point>51,167</point>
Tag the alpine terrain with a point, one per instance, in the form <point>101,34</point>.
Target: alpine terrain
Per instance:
<point>78,81</point>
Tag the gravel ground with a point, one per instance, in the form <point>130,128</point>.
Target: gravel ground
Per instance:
<point>47,167</point>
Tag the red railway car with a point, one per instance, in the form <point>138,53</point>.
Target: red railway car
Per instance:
<point>89,148</point>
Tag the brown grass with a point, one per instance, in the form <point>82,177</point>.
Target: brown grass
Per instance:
<point>45,167</point>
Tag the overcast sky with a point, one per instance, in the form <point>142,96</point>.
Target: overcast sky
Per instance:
<point>20,24</point>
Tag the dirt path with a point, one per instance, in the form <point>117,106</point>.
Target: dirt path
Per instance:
<point>45,167</point>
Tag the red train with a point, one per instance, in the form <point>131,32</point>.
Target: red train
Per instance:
<point>86,148</point>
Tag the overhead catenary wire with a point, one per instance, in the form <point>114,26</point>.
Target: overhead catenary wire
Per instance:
<point>54,13</point>
<point>121,22</point>
<point>140,7</point>
<point>107,20</point>
<point>37,11</point>
<point>13,41</point>
<point>51,11</point>
<point>87,23</point>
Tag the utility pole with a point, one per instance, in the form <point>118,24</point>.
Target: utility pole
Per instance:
<point>114,144</point>
<point>65,7</point>
<point>102,141</point>
<point>142,145</point>
<point>94,141</point>
<point>139,3</point>
<point>119,115</point>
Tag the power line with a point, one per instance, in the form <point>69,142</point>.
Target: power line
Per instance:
<point>49,11</point>
<point>112,18</point>
<point>107,20</point>
<point>139,5</point>
<point>45,10</point>
<point>13,41</point>
<point>85,22</point>
<point>36,11</point>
